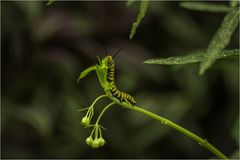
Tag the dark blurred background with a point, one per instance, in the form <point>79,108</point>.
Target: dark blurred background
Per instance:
<point>44,48</point>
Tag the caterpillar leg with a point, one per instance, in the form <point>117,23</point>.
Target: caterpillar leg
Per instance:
<point>130,101</point>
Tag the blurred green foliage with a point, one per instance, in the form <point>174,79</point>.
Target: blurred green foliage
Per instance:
<point>50,2</point>
<point>221,39</point>
<point>192,57</point>
<point>206,6</point>
<point>218,43</point>
<point>142,11</point>
<point>44,48</point>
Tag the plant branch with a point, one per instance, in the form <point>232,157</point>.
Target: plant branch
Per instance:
<point>202,142</point>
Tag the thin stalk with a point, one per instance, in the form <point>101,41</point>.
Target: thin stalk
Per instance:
<point>98,99</point>
<point>202,142</point>
<point>99,117</point>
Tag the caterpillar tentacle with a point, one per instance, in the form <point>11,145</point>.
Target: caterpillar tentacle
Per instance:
<point>121,96</point>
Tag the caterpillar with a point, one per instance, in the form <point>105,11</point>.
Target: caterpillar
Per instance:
<point>121,96</point>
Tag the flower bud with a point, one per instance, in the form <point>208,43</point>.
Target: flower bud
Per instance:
<point>85,121</point>
<point>89,141</point>
<point>95,144</point>
<point>101,141</point>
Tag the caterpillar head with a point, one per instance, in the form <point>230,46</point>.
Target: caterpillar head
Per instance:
<point>106,60</point>
<point>109,59</point>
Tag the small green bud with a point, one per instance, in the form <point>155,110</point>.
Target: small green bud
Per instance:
<point>89,141</point>
<point>101,141</point>
<point>85,121</point>
<point>95,144</point>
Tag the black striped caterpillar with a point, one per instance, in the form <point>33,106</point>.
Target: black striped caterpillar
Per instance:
<point>121,96</point>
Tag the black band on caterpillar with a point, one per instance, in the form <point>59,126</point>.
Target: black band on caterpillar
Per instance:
<point>121,96</point>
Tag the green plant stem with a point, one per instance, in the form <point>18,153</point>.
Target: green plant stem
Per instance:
<point>99,117</point>
<point>102,96</point>
<point>202,142</point>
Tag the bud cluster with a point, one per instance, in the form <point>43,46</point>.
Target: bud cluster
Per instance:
<point>97,141</point>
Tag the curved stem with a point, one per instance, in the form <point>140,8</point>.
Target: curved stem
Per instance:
<point>98,99</point>
<point>99,117</point>
<point>202,142</point>
<point>90,111</point>
<point>92,132</point>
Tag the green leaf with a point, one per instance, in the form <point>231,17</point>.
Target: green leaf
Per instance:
<point>193,57</point>
<point>86,71</point>
<point>220,40</point>
<point>50,2</point>
<point>203,6</point>
<point>141,14</point>
<point>234,3</point>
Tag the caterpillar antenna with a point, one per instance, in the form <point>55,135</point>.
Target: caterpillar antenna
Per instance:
<point>117,52</point>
